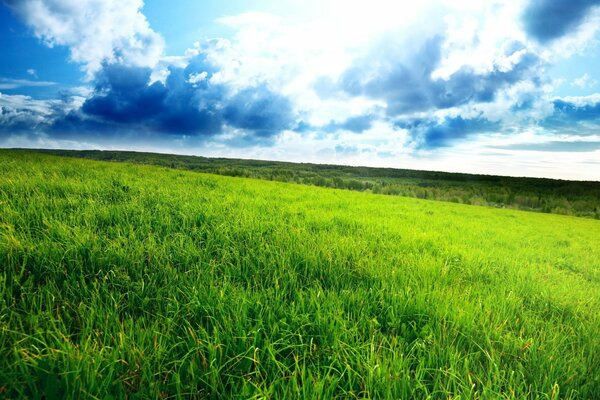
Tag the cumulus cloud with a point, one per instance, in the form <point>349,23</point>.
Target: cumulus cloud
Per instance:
<point>123,95</point>
<point>408,85</point>
<point>126,100</point>
<point>547,20</point>
<point>96,31</point>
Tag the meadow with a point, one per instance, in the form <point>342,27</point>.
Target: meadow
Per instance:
<point>125,280</point>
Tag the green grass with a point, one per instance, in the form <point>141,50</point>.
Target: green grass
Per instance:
<point>128,280</point>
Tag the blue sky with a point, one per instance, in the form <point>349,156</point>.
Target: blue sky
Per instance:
<point>495,87</point>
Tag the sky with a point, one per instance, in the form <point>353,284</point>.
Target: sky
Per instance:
<point>504,87</point>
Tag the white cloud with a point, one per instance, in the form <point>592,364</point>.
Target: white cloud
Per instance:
<point>581,101</point>
<point>290,54</point>
<point>197,77</point>
<point>96,31</point>
<point>584,81</point>
<point>9,84</point>
<point>481,37</point>
<point>27,112</point>
<point>26,103</point>
<point>18,113</point>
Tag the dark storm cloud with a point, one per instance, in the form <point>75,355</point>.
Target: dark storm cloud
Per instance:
<point>408,86</point>
<point>430,134</point>
<point>546,20</point>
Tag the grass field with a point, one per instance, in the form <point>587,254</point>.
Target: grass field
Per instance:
<point>129,280</point>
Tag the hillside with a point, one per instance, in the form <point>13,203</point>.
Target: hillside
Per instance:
<point>578,198</point>
<point>121,279</point>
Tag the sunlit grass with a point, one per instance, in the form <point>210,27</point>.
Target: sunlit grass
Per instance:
<point>120,280</point>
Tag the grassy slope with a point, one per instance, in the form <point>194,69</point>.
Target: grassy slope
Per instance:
<point>127,279</point>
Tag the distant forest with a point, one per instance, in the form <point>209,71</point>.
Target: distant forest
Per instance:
<point>532,194</point>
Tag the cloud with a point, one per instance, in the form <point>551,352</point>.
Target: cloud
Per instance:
<point>347,150</point>
<point>576,112</point>
<point>259,110</point>
<point>269,74</point>
<point>126,101</point>
<point>123,95</point>
<point>547,20</point>
<point>431,134</point>
<point>21,102</point>
<point>584,82</point>
<point>288,88</point>
<point>354,124</point>
<point>574,115</point>
<point>22,114</point>
<point>10,84</point>
<point>407,84</point>
<point>97,32</point>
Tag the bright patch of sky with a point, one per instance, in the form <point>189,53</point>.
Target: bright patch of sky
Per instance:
<point>579,75</point>
<point>503,87</point>
<point>184,22</point>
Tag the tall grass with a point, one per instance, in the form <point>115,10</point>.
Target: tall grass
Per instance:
<point>126,280</point>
